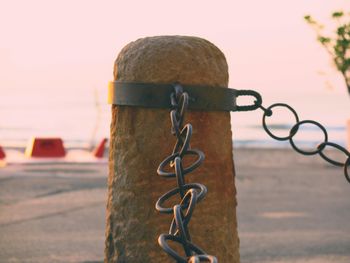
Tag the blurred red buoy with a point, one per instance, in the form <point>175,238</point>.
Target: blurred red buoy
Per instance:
<point>2,154</point>
<point>45,147</point>
<point>100,149</point>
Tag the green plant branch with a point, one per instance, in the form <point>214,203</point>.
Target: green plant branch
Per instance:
<point>337,46</point>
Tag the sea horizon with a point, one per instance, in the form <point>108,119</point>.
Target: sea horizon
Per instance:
<point>82,121</point>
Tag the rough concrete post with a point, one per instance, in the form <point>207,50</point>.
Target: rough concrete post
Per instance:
<point>141,139</point>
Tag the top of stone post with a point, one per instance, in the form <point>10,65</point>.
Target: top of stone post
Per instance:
<point>169,59</point>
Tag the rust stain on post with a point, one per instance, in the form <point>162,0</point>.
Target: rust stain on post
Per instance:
<point>141,139</point>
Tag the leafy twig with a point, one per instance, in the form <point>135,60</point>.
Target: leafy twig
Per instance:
<point>337,46</point>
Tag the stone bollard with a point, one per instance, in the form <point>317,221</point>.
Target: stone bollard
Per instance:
<point>141,139</point>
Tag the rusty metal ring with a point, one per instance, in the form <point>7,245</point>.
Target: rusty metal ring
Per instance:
<point>168,210</point>
<point>185,171</point>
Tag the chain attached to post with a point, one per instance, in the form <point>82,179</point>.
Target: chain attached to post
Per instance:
<point>209,99</point>
<point>190,193</point>
<point>268,112</point>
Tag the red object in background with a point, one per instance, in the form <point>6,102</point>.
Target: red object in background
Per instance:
<point>100,149</point>
<point>2,153</point>
<point>45,147</point>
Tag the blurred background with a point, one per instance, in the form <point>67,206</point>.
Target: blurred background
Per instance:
<point>57,58</point>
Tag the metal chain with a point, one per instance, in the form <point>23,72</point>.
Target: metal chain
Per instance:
<point>222,99</point>
<point>294,130</point>
<point>190,193</point>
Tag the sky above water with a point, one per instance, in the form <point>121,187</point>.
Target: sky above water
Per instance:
<point>56,53</point>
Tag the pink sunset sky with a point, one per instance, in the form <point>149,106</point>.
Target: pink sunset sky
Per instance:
<point>66,49</point>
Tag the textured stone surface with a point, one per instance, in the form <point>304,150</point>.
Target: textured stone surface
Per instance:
<point>141,139</point>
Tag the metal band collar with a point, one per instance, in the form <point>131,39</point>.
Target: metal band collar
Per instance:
<point>155,95</point>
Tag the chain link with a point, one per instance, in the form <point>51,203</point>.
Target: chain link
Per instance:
<point>294,130</point>
<point>205,98</point>
<point>190,193</point>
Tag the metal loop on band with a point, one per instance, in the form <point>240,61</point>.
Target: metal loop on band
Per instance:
<point>178,90</point>
<point>201,97</point>
<point>254,94</point>
<point>177,116</point>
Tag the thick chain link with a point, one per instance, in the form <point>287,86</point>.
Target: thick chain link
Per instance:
<point>202,98</point>
<point>190,193</point>
<point>268,112</point>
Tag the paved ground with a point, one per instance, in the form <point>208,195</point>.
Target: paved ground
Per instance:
<point>291,209</point>
<point>52,213</point>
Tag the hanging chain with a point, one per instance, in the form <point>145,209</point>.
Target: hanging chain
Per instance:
<point>293,131</point>
<point>202,98</point>
<point>190,193</point>
<point>193,193</point>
